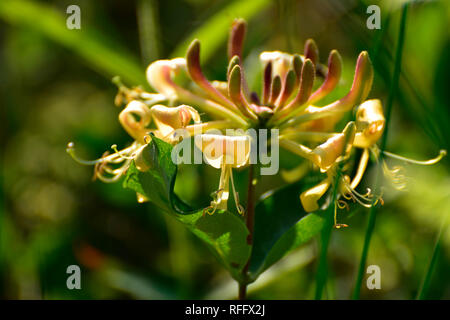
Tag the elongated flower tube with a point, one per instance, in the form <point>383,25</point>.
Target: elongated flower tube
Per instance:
<point>169,119</point>
<point>326,154</point>
<point>225,153</point>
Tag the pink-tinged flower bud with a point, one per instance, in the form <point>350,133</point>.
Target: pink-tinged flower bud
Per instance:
<point>310,197</point>
<point>326,154</point>
<point>236,94</point>
<point>168,119</point>
<point>287,88</point>
<point>332,78</point>
<point>237,37</point>
<point>370,119</point>
<point>196,74</point>
<point>362,83</point>
<point>135,119</point>
<point>311,51</point>
<point>161,74</point>
<point>306,83</point>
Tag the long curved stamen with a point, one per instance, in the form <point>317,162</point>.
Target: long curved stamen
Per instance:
<point>239,208</point>
<point>117,173</point>
<point>399,180</point>
<point>342,204</point>
<point>214,203</point>
<point>364,200</point>
<point>119,153</point>
<point>210,210</point>
<point>110,158</point>
<point>337,225</point>
<point>442,154</point>
<point>298,104</point>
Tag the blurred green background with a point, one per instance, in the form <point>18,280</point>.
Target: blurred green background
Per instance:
<point>56,88</point>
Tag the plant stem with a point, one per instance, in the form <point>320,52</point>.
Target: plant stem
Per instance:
<point>322,268</point>
<point>249,221</point>
<point>392,93</point>
<point>242,291</point>
<point>250,217</point>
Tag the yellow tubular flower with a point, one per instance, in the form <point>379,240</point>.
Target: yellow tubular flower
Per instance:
<point>294,99</point>
<point>168,119</point>
<point>370,119</point>
<point>310,197</point>
<point>225,153</point>
<point>326,154</point>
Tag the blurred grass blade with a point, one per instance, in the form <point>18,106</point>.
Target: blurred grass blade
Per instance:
<point>147,11</point>
<point>107,60</point>
<point>214,32</point>
<point>422,294</point>
<point>392,93</point>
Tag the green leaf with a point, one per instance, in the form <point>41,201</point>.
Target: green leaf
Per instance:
<point>224,232</point>
<point>156,183</point>
<point>107,59</point>
<point>281,225</point>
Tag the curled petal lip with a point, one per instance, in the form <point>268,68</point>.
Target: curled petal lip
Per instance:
<point>136,128</point>
<point>160,75</point>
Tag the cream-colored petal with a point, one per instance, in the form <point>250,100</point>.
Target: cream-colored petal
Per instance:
<point>370,119</point>
<point>135,118</point>
<point>219,149</point>
<point>160,75</point>
<point>168,119</point>
<point>310,197</point>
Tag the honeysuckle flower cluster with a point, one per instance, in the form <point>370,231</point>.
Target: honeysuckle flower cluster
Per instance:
<point>293,86</point>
